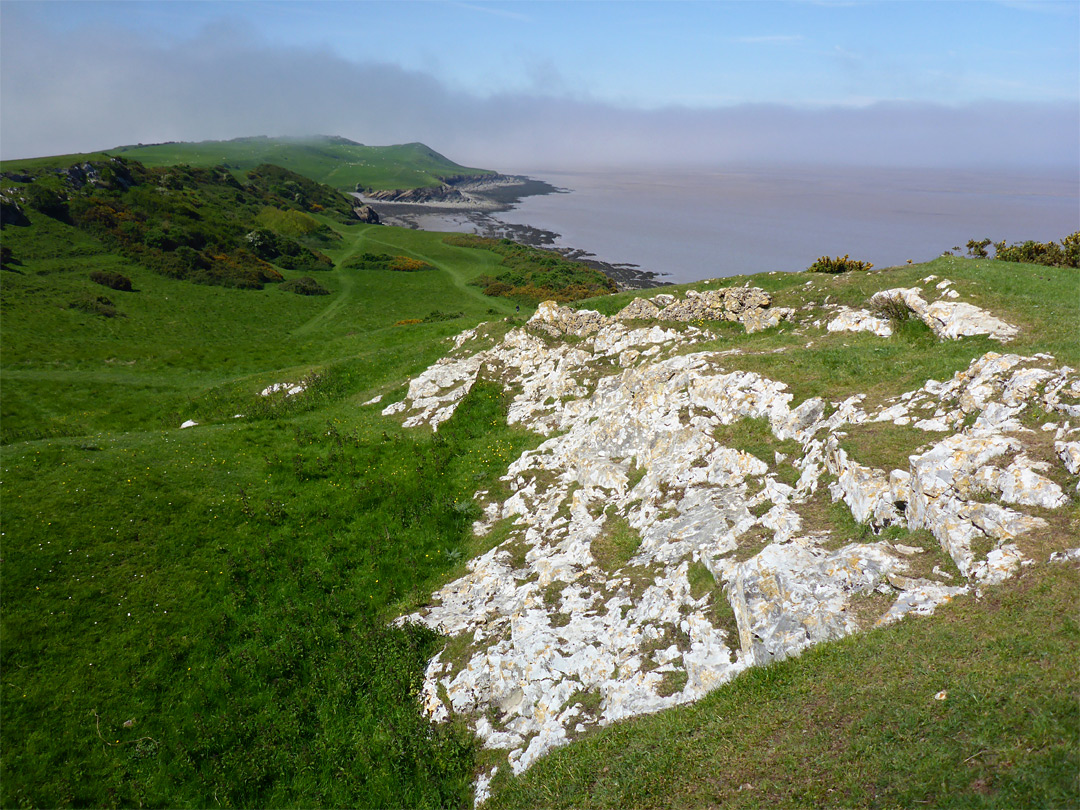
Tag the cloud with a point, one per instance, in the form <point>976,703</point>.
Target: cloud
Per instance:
<point>62,95</point>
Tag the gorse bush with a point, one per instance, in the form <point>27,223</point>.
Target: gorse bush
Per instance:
<point>839,264</point>
<point>283,251</point>
<point>532,275</point>
<point>437,315</point>
<point>385,261</point>
<point>187,223</point>
<point>1050,254</point>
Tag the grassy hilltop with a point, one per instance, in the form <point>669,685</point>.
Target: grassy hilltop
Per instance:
<point>337,162</point>
<point>202,617</point>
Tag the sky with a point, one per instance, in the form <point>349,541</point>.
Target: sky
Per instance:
<point>565,85</point>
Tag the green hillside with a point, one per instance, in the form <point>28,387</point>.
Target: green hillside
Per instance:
<point>202,616</point>
<point>338,162</point>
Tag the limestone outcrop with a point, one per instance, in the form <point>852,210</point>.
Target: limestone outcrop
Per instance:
<point>646,555</point>
<point>950,319</point>
<point>859,320</point>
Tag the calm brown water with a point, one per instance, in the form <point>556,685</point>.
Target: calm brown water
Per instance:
<point>692,225</point>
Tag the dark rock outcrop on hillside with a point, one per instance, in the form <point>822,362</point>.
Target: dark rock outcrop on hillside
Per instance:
<point>11,213</point>
<point>480,191</point>
<point>112,175</point>
<point>366,214</point>
<point>418,196</point>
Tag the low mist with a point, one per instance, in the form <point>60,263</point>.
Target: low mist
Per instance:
<point>63,93</point>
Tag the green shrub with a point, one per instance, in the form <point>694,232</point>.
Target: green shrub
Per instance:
<point>384,261</point>
<point>112,280</point>
<point>49,202</point>
<point>893,309</point>
<point>304,285</point>
<point>840,264</point>
<point>93,304</point>
<point>532,275</point>
<point>1049,254</point>
<point>289,222</point>
<point>977,249</point>
<point>437,315</point>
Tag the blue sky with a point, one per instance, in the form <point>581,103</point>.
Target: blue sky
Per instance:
<point>616,65</point>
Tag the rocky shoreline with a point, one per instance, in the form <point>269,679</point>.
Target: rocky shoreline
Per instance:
<point>469,208</point>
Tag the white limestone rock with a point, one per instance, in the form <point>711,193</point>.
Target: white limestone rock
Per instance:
<point>758,320</point>
<point>290,389</point>
<point>639,309</point>
<point>921,598</point>
<point>953,319</point>
<point>557,320</point>
<point>950,319</point>
<point>859,320</point>
<point>1069,453</point>
<point>631,417</point>
<point>790,596</point>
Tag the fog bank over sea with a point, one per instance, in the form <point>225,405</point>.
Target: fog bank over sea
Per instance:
<point>691,225</point>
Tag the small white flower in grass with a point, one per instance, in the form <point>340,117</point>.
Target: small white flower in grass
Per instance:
<point>944,693</point>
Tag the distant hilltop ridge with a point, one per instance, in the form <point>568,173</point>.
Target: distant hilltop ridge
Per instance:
<point>405,174</point>
<point>331,159</point>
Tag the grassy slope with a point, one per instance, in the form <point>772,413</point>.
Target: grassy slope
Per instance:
<point>227,587</point>
<point>341,165</point>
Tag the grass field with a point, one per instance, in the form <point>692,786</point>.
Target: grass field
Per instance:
<point>201,617</point>
<point>226,588</point>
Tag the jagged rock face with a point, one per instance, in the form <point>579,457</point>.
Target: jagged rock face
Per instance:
<point>557,632</point>
<point>419,196</point>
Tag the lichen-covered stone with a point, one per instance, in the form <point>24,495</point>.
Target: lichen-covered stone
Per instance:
<point>859,320</point>
<point>638,309</point>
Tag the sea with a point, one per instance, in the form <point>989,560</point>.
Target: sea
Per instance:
<point>686,225</point>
